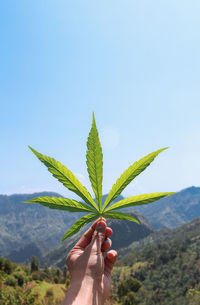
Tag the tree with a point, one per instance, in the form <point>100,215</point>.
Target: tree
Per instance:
<point>128,285</point>
<point>7,266</point>
<point>130,299</point>
<point>34,264</point>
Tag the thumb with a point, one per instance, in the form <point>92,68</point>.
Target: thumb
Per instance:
<point>98,236</point>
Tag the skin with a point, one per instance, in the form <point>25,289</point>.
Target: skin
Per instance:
<point>90,272</point>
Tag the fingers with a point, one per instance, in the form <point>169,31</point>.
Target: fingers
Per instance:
<point>110,261</point>
<point>106,245</point>
<point>98,237</point>
<point>108,231</point>
<point>87,236</point>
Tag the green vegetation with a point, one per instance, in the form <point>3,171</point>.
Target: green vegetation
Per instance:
<point>164,270</point>
<point>168,271</point>
<point>123,236</point>
<point>96,209</point>
<point>24,285</point>
<point>36,228</point>
<point>173,211</point>
<point>42,228</point>
<point>127,289</point>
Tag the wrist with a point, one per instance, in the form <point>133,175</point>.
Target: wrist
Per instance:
<point>86,292</point>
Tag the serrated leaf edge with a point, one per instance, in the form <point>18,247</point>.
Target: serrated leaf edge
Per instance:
<point>92,161</point>
<point>73,230</point>
<point>61,203</point>
<point>86,197</point>
<point>118,187</point>
<point>120,215</point>
<point>138,200</point>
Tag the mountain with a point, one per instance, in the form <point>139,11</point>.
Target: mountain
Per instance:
<point>164,214</point>
<point>25,223</point>
<point>167,264</point>
<point>24,253</point>
<point>164,270</point>
<point>25,226</point>
<point>124,233</point>
<point>127,232</point>
<point>174,210</point>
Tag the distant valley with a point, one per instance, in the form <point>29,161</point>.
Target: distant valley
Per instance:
<point>161,268</point>
<point>30,229</point>
<point>22,224</point>
<point>124,234</point>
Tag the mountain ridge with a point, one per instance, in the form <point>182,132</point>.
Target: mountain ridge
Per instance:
<point>29,223</point>
<point>174,210</point>
<point>23,224</point>
<point>122,236</point>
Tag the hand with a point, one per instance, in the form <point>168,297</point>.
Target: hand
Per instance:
<point>90,272</point>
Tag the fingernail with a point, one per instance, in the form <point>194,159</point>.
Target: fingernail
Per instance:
<point>108,242</point>
<point>112,254</point>
<point>101,224</point>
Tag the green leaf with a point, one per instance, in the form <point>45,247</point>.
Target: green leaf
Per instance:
<point>137,200</point>
<point>134,170</point>
<point>119,215</point>
<point>66,177</point>
<point>60,203</point>
<point>79,224</point>
<point>94,162</point>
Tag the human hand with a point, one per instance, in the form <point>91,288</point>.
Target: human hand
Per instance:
<point>90,272</point>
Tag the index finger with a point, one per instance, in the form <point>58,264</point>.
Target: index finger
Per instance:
<point>87,236</point>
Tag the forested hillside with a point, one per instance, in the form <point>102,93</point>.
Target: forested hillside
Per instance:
<point>168,271</point>
<point>24,223</point>
<point>124,234</point>
<point>31,285</point>
<point>31,229</point>
<point>162,272</point>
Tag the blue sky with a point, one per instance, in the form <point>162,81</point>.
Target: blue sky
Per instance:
<point>136,64</point>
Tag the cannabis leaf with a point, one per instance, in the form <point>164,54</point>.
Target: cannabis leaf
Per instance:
<point>66,177</point>
<point>137,200</point>
<point>94,161</point>
<point>129,174</point>
<point>62,204</point>
<point>119,215</point>
<point>79,224</point>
